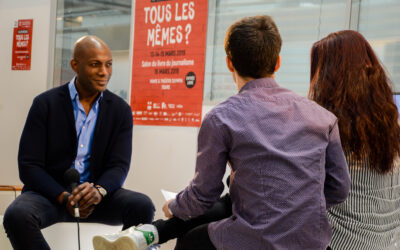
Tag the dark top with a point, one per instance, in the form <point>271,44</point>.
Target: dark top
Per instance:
<point>48,143</point>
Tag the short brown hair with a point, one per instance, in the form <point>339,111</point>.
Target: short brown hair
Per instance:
<point>253,45</point>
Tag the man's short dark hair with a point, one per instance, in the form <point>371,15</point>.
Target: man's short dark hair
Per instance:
<point>253,45</point>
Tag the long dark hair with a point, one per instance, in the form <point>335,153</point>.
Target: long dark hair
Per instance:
<point>348,80</point>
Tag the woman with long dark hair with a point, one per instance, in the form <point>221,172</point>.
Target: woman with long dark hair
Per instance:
<point>348,80</point>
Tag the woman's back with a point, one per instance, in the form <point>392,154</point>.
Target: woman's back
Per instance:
<point>348,80</point>
<point>370,217</point>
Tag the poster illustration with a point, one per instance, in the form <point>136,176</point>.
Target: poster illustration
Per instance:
<point>168,62</point>
<point>22,45</point>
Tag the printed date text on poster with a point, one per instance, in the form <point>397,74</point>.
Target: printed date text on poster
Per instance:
<point>168,62</point>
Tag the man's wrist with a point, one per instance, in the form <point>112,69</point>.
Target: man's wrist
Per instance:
<point>169,210</point>
<point>102,193</point>
<point>101,190</point>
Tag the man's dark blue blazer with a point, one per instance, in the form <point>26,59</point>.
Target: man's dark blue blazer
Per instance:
<point>48,144</point>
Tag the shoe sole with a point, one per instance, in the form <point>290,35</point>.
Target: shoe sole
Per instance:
<point>122,243</point>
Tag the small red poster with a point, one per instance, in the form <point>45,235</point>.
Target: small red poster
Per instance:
<point>168,62</point>
<point>22,45</point>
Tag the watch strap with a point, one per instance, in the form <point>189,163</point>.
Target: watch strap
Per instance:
<point>101,190</point>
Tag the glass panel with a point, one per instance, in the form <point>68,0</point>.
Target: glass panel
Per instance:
<point>300,23</point>
<point>379,22</point>
<point>107,19</point>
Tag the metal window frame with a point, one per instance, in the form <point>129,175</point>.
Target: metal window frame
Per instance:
<point>52,44</point>
<point>353,14</point>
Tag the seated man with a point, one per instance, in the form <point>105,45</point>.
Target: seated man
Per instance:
<point>287,162</point>
<point>78,125</point>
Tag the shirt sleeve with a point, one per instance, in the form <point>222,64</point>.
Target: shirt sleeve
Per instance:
<point>207,185</point>
<point>337,180</point>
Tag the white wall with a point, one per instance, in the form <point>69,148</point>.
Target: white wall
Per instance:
<point>18,88</point>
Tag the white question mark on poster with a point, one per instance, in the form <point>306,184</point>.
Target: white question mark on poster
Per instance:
<point>188,29</point>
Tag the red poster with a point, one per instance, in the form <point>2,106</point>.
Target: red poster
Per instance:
<point>168,62</point>
<point>22,45</point>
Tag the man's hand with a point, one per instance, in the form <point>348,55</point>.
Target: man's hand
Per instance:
<point>166,210</point>
<point>86,196</point>
<point>60,198</point>
<point>83,212</point>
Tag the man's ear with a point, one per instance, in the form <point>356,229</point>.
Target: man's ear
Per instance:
<point>74,65</point>
<point>278,63</point>
<point>229,64</point>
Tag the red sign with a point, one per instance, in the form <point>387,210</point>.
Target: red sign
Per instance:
<point>168,62</point>
<point>22,45</point>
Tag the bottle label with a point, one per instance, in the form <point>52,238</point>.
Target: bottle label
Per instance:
<point>149,236</point>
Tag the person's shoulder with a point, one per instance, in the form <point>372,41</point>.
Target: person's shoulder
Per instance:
<point>292,96</point>
<point>319,110</point>
<point>114,100</point>
<point>308,104</point>
<point>222,106</point>
<point>221,109</point>
<point>53,93</point>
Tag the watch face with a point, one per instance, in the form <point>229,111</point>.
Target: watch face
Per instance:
<point>102,191</point>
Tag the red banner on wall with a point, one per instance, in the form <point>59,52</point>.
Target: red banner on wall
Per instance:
<point>168,62</point>
<point>22,45</point>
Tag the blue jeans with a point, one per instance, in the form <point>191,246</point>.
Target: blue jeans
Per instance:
<point>30,212</point>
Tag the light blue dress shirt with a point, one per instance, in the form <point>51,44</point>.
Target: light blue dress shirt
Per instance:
<point>85,125</point>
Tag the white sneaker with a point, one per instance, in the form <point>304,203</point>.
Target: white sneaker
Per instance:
<point>133,238</point>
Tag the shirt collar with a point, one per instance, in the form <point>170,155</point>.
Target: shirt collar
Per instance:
<point>75,95</point>
<point>267,82</point>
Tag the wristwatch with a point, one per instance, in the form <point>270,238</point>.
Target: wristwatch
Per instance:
<point>102,191</point>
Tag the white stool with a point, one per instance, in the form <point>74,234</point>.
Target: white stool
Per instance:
<point>64,236</point>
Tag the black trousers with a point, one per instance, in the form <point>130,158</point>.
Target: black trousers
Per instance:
<point>193,233</point>
<point>30,212</point>
<point>196,239</point>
